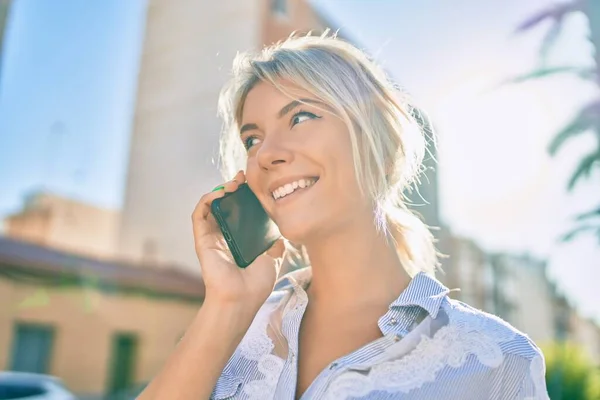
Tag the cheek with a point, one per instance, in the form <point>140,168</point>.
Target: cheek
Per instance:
<point>252,173</point>
<point>338,151</point>
<point>254,179</point>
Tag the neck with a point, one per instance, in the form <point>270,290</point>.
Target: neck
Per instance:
<point>355,266</point>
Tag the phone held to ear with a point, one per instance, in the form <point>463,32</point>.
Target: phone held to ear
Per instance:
<point>245,225</point>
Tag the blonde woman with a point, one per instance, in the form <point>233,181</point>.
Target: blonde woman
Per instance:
<point>328,146</point>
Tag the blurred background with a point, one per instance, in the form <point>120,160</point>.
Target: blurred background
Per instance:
<point>108,137</point>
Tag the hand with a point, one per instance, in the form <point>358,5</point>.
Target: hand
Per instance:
<point>224,280</point>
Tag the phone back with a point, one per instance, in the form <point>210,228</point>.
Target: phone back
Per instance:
<point>247,228</point>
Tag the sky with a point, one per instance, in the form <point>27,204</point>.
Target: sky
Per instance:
<point>67,97</point>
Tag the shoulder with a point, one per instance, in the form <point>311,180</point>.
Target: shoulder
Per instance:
<point>491,328</point>
<point>516,359</point>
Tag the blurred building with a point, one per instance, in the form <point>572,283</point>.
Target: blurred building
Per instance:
<point>424,199</point>
<point>522,293</point>
<point>188,50</point>
<point>187,54</point>
<point>517,289</point>
<point>65,224</point>
<point>102,327</point>
<point>464,269</point>
<point>586,333</point>
<point>525,297</point>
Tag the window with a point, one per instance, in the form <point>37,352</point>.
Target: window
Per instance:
<point>279,7</point>
<point>32,348</point>
<point>123,362</point>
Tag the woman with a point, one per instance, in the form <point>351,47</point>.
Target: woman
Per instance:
<point>328,147</point>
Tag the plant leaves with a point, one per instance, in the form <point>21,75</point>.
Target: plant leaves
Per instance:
<point>589,214</point>
<point>579,230</point>
<point>577,126</point>
<point>587,119</point>
<point>584,169</point>
<point>549,40</point>
<point>556,12</point>
<point>583,72</point>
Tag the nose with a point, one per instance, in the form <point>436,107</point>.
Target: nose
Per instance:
<point>273,153</point>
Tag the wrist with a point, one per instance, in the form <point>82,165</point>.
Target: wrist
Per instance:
<point>231,316</point>
<point>234,303</point>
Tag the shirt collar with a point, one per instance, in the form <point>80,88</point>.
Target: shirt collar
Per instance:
<point>423,290</point>
<point>300,277</point>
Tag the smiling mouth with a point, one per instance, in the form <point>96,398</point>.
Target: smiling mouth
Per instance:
<point>293,187</point>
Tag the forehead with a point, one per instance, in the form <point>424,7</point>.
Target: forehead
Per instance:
<point>264,99</point>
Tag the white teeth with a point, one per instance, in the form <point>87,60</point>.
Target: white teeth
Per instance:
<point>289,188</point>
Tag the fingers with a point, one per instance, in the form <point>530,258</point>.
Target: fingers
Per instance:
<point>202,209</point>
<point>240,177</point>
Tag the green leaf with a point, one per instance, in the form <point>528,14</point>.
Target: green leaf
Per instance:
<point>549,40</point>
<point>570,372</point>
<point>579,230</point>
<point>579,125</point>
<point>583,72</point>
<point>589,214</point>
<point>584,168</point>
<point>556,12</point>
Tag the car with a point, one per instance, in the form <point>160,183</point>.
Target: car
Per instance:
<point>30,386</point>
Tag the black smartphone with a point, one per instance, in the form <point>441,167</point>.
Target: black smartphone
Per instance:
<point>245,225</point>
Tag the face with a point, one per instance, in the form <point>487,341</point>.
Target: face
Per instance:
<point>300,163</point>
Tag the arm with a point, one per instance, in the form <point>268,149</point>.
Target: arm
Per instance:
<point>233,297</point>
<point>191,372</point>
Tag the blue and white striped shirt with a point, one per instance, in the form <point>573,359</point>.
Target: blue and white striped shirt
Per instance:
<point>432,347</point>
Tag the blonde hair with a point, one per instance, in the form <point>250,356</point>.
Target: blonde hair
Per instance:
<point>388,144</point>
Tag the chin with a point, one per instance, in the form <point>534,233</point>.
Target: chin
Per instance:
<point>294,231</point>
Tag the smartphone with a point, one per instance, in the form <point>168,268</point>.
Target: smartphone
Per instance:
<point>246,227</point>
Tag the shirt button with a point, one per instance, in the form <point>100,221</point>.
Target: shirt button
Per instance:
<point>393,321</point>
<point>397,338</point>
<point>333,365</point>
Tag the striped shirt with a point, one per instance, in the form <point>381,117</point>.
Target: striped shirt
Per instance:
<point>432,347</point>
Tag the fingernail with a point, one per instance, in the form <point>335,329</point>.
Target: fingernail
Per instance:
<point>218,188</point>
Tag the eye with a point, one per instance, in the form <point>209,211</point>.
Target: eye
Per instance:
<point>302,116</point>
<point>250,141</point>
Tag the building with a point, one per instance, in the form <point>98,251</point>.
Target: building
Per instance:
<point>586,333</point>
<point>424,199</point>
<point>464,269</point>
<point>102,327</point>
<point>65,224</point>
<point>524,295</point>
<point>187,53</point>
<point>513,287</point>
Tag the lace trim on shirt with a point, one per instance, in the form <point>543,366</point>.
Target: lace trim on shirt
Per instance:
<point>537,375</point>
<point>467,333</point>
<point>257,346</point>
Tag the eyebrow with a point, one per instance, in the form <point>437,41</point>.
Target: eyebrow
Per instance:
<point>285,110</point>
